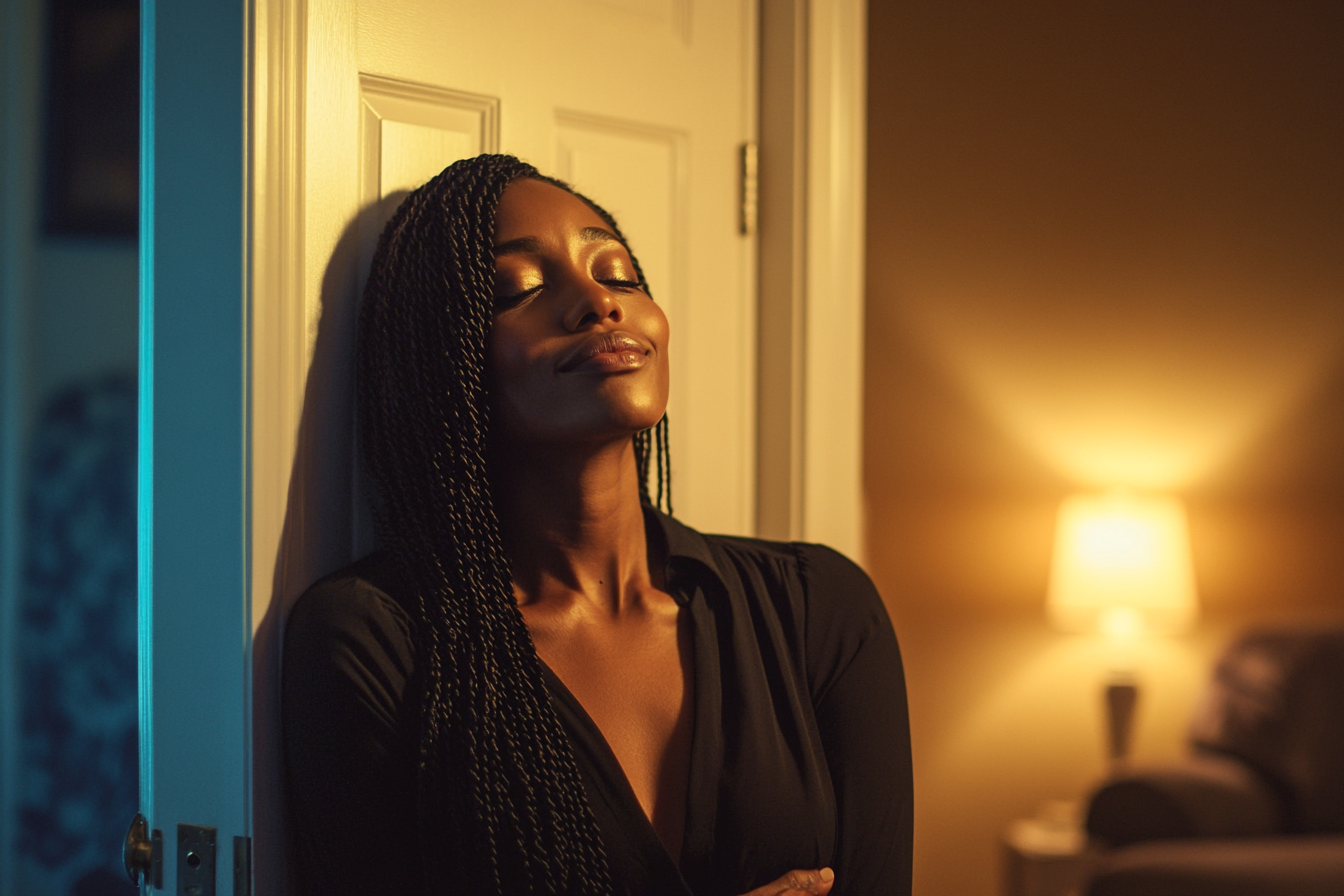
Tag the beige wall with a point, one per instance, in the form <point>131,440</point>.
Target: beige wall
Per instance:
<point>1105,246</point>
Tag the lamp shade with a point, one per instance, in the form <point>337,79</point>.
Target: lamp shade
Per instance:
<point>1122,564</point>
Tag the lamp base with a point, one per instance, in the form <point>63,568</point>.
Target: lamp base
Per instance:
<point>1122,695</point>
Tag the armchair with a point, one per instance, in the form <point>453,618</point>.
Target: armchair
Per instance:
<point>1257,809</point>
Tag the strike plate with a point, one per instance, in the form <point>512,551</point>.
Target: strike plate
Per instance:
<point>195,860</point>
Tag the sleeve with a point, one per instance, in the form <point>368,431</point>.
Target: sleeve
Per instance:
<point>858,696</point>
<point>347,662</point>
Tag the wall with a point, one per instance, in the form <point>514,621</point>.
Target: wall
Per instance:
<point>1104,247</point>
<point>17,109</point>
<point>84,319</point>
<point>68,312</point>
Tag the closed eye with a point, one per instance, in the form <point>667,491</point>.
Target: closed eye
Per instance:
<point>505,302</point>
<point>622,284</point>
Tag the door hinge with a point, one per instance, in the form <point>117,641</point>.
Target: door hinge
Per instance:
<point>750,190</point>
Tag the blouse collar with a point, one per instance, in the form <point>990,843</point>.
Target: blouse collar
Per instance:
<point>690,559</point>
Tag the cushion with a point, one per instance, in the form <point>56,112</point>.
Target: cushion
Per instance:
<point>1280,866</point>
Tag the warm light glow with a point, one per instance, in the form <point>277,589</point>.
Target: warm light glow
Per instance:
<point>1122,566</point>
<point>1053,363</point>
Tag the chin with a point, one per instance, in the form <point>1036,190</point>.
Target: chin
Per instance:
<point>614,413</point>
<point>639,416</point>
<point>579,429</point>
<point>617,426</point>
<point>619,408</point>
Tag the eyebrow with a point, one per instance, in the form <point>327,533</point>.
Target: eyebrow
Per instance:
<point>530,245</point>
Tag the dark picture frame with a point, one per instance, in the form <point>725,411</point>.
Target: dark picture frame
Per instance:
<point>91,181</point>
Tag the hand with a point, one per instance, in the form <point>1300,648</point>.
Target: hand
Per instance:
<point>800,882</point>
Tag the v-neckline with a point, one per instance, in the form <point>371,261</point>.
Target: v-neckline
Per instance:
<point>705,759</point>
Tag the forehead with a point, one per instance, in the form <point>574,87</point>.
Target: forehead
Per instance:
<point>531,208</point>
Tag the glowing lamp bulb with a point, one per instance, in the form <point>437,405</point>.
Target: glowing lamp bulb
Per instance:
<point>1122,566</point>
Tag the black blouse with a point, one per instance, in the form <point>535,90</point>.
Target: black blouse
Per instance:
<point>800,753</point>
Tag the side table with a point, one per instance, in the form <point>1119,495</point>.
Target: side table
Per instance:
<point>1047,855</point>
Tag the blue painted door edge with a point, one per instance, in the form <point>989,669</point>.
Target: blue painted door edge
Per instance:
<point>194,614</point>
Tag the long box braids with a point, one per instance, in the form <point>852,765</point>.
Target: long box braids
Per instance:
<point>501,805</point>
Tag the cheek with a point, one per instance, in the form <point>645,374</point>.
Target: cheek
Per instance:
<point>656,328</point>
<point>508,364</point>
<point>646,316</point>
<point>520,364</point>
<point>505,358</point>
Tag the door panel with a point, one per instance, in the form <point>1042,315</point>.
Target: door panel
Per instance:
<point>408,129</point>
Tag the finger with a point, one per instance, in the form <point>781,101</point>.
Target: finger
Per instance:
<point>802,881</point>
<point>818,882</point>
<point>799,882</point>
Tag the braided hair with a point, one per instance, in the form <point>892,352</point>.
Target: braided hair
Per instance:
<point>501,806</point>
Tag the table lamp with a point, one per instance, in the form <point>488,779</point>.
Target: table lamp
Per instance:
<point>1122,567</point>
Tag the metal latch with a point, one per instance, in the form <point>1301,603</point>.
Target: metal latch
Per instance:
<point>195,860</point>
<point>143,853</point>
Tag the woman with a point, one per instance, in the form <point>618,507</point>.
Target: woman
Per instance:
<point>542,684</point>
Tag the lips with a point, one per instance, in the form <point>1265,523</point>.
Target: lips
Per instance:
<point>611,351</point>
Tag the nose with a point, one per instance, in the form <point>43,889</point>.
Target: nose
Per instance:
<point>591,303</point>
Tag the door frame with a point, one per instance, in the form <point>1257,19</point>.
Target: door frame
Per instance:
<point>813,132</point>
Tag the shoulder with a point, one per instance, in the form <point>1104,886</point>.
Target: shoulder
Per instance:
<point>827,581</point>
<point>838,610</point>
<point>371,587</point>
<point>837,588</point>
<point>357,616</point>
<point>845,613</point>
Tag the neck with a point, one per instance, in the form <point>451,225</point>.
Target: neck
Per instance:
<point>572,524</point>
